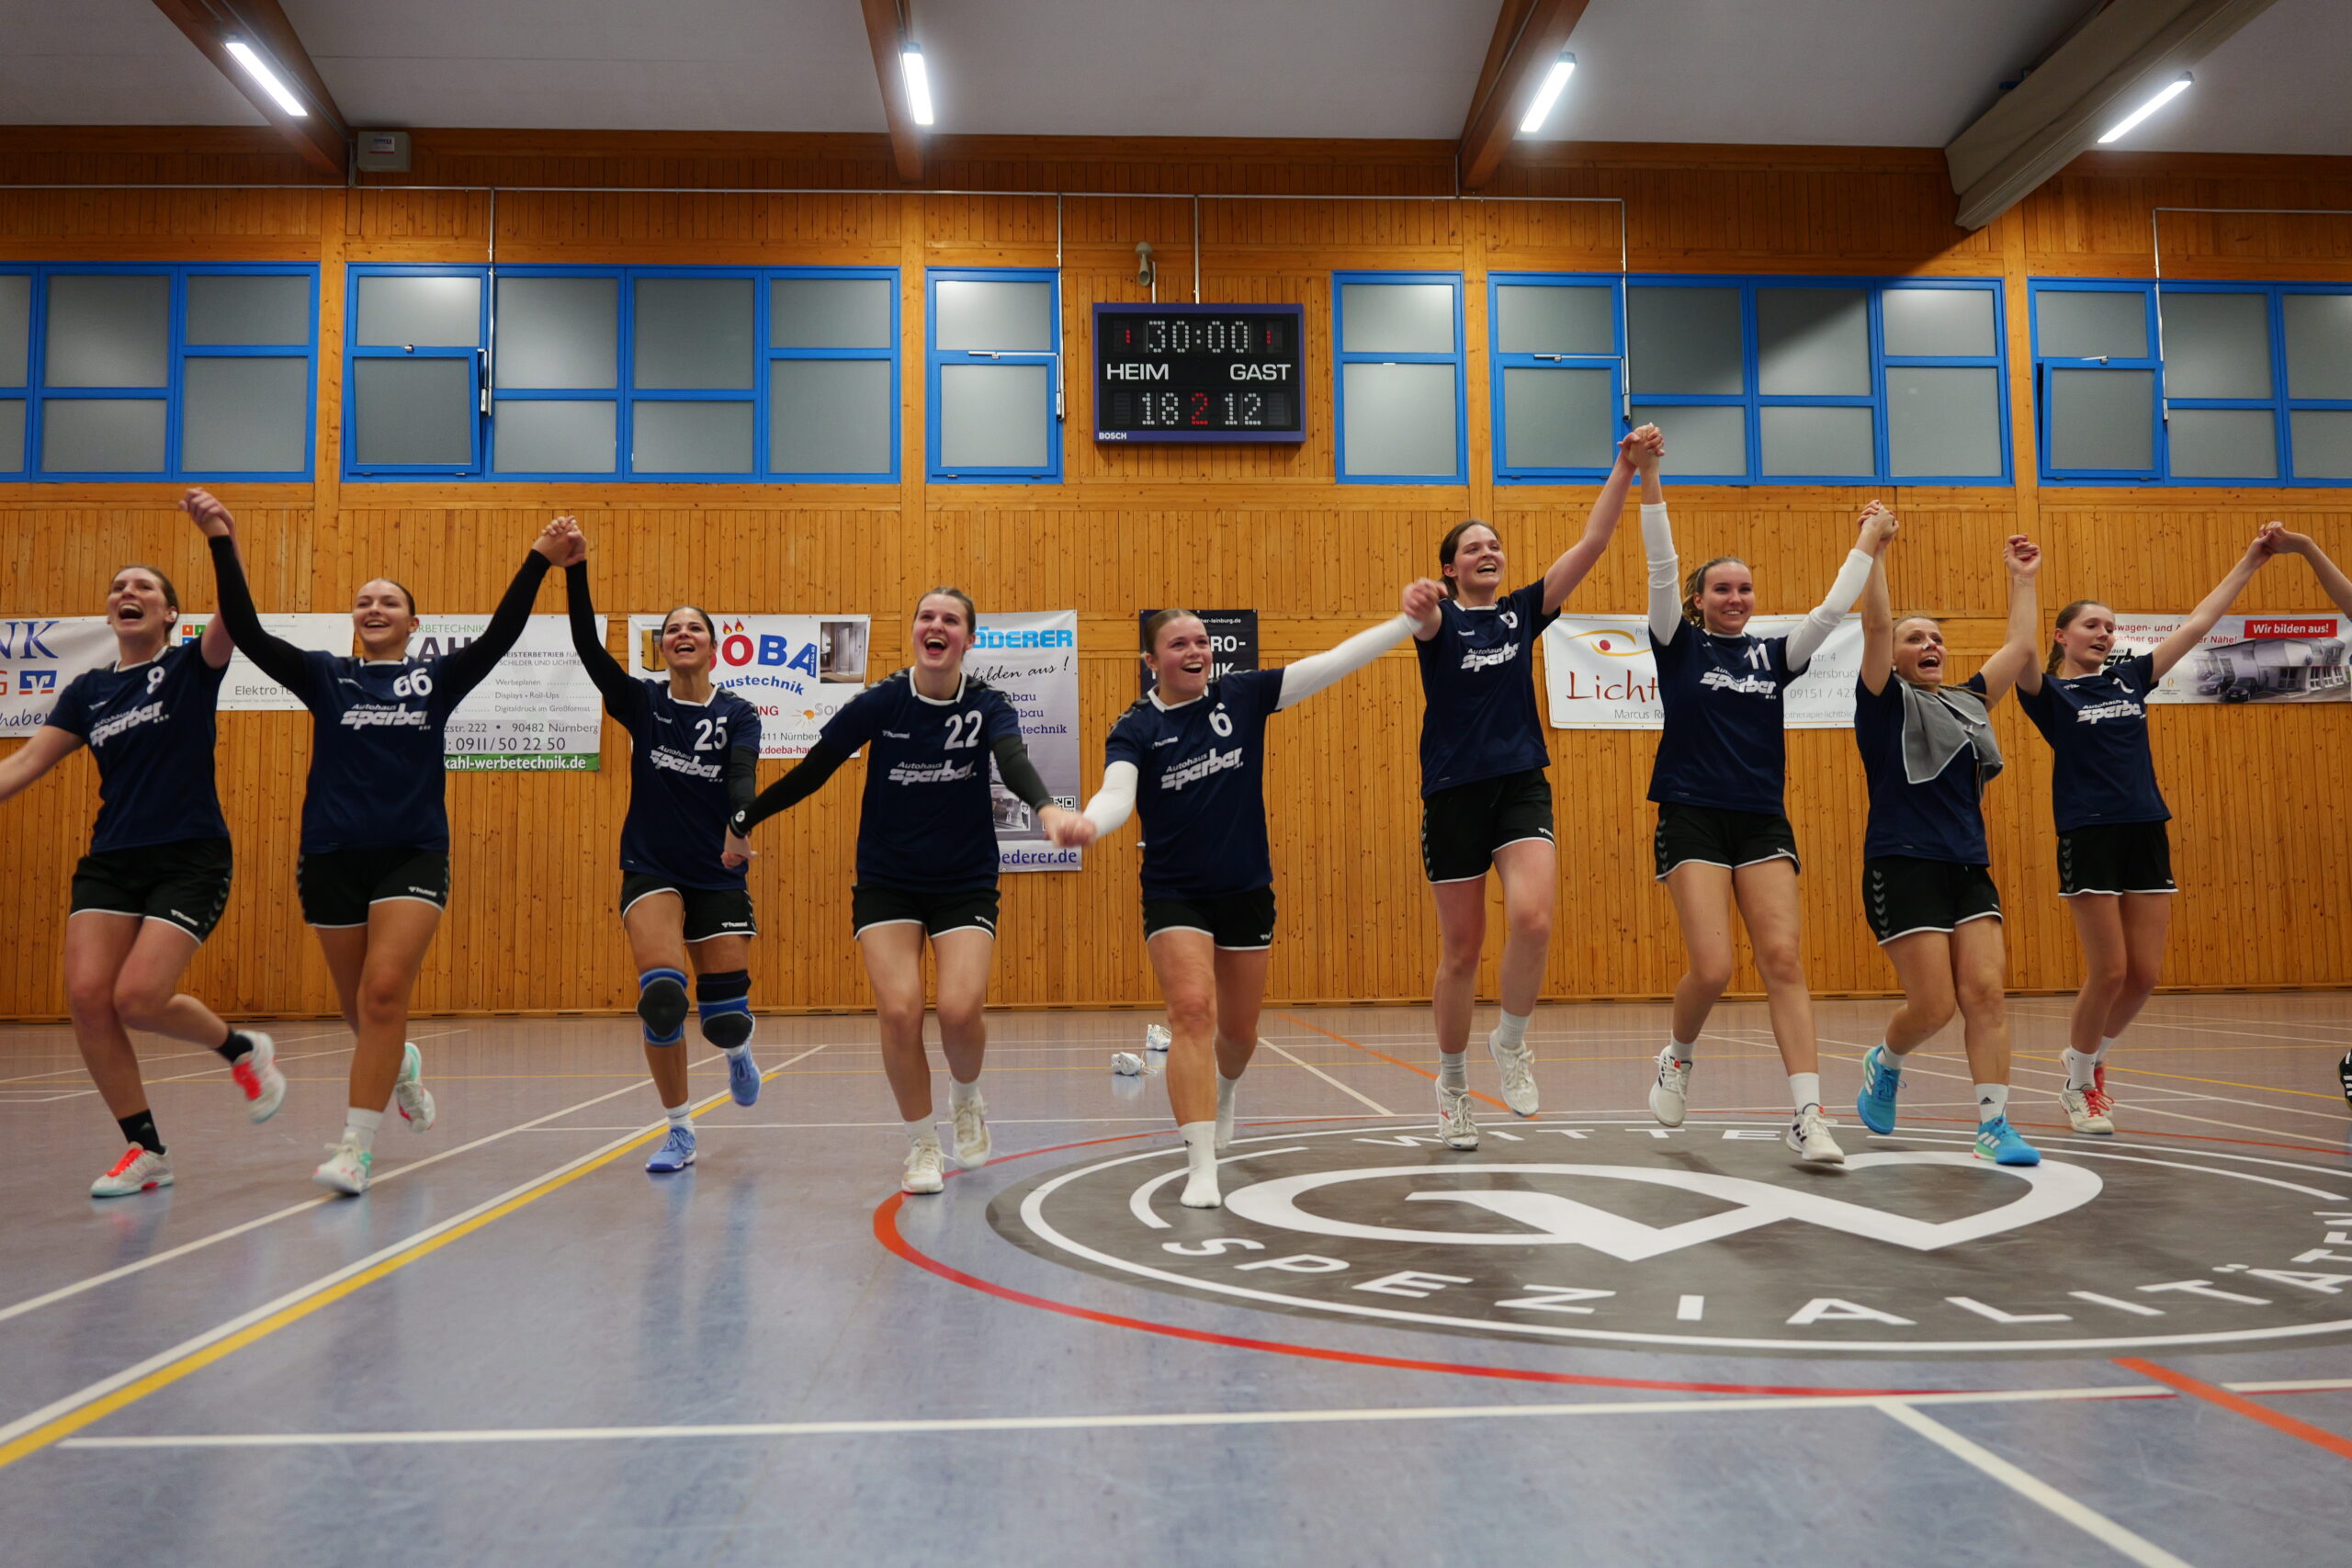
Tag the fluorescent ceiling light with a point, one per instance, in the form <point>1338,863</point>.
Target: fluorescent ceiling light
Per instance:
<point>2172,90</point>
<point>1554,83</point>
<point>267,78</point>
<point>918,82</point>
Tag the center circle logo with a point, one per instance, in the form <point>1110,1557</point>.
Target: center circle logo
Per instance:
<point>1709,1238</point>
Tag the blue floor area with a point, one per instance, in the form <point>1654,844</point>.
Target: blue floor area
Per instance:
<point>1591,1341</point>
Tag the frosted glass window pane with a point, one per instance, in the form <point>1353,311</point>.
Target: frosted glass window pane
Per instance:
<point>12,435</point>
<point>108,331</point>
<point>693,333</point>
<point>1399,420</point>
<point>1812,342</point>
<point>1397,318</point>
<point>830,416</point>
<point>532,436</point>
<point>559,334</point>
<point>1938,322</point>
<point>2102,419</point>
<point>1532,320</point>
<point>1011,317</point>
<point>102,436</point>
<point>16,327</point>
<point>1684,341</point>
<point>2323,443</point>
<point>1817,441</point>
<point>2223,444</point>
<point>2077,325</point>
<point>246,416</point>
<point>1700,440</point>
<point>690,438</point>
<point>2319,345</point>
<point>1558,419</point>
<point>2217,345</point>
<point>1943,422</point>
<point>249,310</point>
<point>420,312</point>
<point>993,416</point>
<point>412,411</point>
<point>830,312</point>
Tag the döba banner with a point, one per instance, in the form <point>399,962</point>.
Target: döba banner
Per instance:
<point>796,670</point>
<point>1034,660</point>
<point>2247,658</point>
<point>39,655</point>
<point>1599,673</point>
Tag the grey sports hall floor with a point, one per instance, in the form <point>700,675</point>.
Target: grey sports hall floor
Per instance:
<point>1591,1342</point>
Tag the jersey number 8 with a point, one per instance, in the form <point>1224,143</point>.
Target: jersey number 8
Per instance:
<point>958,738</point>
<point>416,683</point>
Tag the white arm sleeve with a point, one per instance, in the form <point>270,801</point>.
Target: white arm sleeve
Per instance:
<point>1114,802</point>
<point>1311,674</point>
<point>1666,571</point>
<point>1823,618</point>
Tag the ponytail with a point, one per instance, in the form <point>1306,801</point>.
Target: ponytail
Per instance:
<point>1697,580</point>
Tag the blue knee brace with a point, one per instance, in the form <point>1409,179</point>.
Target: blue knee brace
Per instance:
<point>662,1005</point>
<point>725,1003</point>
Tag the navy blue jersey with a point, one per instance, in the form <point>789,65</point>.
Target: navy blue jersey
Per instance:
<point>679,770</point>
<point>1722,745</point>
<point>1941,819</point>
<point>2097,728</point>
<point>1478,719</point>
<point>1201,786</point>
<point>926,823</point>
<point>150,730</point>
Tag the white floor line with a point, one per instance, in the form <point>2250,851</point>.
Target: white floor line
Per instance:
<point>2203,1028</point>
<point>1719,1406</point>
<point>1361,1099</point>
<point>166,1057</point>
<point>2096,1524</point>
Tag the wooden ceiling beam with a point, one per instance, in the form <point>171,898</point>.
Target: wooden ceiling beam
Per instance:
<point>321,136</point>
<point>906,136</point>
<point>1529,35</point>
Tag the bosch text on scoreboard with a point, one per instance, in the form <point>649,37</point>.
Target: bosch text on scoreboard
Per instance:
<point>1200,373</point>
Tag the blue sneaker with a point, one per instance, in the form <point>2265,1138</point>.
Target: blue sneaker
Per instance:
<point>1998,1142</point>
<point>743,1076</point>
<point>676,1153</point>
<point>1881,1083</point>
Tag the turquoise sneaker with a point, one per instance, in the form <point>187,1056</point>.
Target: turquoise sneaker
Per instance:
<point>1881,1083</point>
<point>1998,1142</point>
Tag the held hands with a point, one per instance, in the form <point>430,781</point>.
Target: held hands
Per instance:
<point>1878,527</point>
<point>2023,556</point>
<point>1067,830</point>
<point>2277,538</point>
<point>1421,600</point>
<point>738,852</point>
<point>1644,449</point>
<point>560,539</point>
<point>208,515</point>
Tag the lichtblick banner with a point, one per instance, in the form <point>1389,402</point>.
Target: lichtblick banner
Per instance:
<point>1599,673</point>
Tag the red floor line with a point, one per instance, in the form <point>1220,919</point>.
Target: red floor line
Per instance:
<point>1392,1061</point>
<point>2240,1405</point>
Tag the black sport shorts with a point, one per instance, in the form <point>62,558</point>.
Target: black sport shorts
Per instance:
<point>2115,857</point>
<point>1462,827</point>
<point>1903,894</point>
<point>936,913</point>
<point>338,886</point>
<point>184,884</point>
<point>1729,839</point>
<point>1236,922</point>
<point>710,911</point>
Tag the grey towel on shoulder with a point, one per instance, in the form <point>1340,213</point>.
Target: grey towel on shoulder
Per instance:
<point>1938,725</point>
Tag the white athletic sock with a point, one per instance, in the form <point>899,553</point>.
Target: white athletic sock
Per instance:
<point>1511,1030</point>
<point>1684,1054</point>
<point>2079,1069</point>
<point>1992,1102</point>
<point>1804,1088</point>
<point>2105,1043</point>
<point>679,1115</point>
<point>359,1127</point>
<point>737,1052</point>
<point>1200,1158</point>
<point>960,1094</point>
<point>1889,1059</point>
<point>1453,1069</point>
<point>921,1131</point>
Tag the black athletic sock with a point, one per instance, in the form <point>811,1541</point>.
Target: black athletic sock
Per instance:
<point>140,1130</point>
<point>236,1047</point>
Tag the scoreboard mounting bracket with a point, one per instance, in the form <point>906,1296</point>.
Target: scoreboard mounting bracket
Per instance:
<point>1200,373</point>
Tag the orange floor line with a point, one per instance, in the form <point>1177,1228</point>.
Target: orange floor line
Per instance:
<point>2315,1436</point>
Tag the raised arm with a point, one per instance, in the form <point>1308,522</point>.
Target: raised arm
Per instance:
<point>624,698</point>
<point>2014,658</point>
<point>1657,546</point>
<point>1116,801</point>
<point>43,749</point>
<point>2331,576</point>
<point>463,670</point>
<point>1875,528</point>
<point>2214,605</point>
<point>274,656</point>
<point>1561,579</point>
<point>1303,679</point>
<point>1878,629</point>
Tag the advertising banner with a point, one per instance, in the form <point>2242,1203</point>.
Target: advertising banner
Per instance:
<point>796,670</point>
<point>1233,644</point>
<point>1034,660</point>
<point>1599,673</point>
<point>39,655</point>
<point>2247,658</point>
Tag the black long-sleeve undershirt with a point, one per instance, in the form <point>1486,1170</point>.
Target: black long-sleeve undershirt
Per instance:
<point>272,655</point>
<point>624,698</point>
<point>466,669</point>
<point>1019,774</point>
<point>807,776</point>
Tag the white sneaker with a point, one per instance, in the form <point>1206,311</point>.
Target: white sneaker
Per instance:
<point>139,1169</point>
<point>1671,1092</point>
<point>1156,1037</point>
<point>258,1079</point>
<point>1809,1136</point>
<point>409,1092</point>
<point>1517,1065</point>
<point>2090,1110</point>
<point>1225,1088</point>
<point>972,1141</point>
<point>1455,1122</point>
<point>347,1168</point>
<point>926,1168</point>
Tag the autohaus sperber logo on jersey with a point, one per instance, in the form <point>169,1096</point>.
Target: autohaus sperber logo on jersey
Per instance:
<point>1709,1237</point>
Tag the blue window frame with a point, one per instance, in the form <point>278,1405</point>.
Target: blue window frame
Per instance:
<point>630,373</point>
<point>1397,364</point>
<point>993,374</point>
<point>2196,383</point>
<point>138,388</point>
<point>1759,380</point>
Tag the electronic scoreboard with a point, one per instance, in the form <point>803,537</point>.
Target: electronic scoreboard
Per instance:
<point>1200,373</point>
